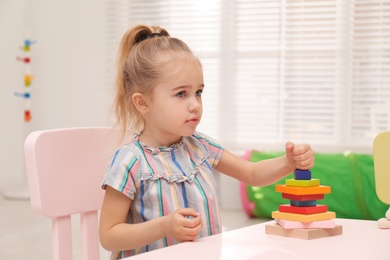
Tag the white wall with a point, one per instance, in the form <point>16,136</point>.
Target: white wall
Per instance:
<point>68,63</point>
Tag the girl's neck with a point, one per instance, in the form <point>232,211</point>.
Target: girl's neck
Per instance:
<point>157,140</point>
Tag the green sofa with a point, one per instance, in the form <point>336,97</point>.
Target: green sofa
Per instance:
<point>350,175</point>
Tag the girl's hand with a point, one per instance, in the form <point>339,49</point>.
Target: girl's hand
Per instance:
<point>301,156</point>
<point>182,225</point>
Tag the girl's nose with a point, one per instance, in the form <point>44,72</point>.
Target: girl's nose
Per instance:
<point>195,105</point>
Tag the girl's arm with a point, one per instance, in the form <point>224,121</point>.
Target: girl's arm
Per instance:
<point>117,235</point>
<point>268,171</point>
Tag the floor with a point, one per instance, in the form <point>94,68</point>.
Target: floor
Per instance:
<point>24,234</point>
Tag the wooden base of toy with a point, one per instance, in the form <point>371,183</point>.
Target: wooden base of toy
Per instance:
<point>303,233</point>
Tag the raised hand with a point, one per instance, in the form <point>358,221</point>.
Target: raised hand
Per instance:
<point>301,155</point>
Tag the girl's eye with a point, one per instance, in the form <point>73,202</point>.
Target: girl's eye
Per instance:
<point>181,94</point>
<point>199,92</point>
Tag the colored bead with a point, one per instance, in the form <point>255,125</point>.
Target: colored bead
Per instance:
<point>302,174</point>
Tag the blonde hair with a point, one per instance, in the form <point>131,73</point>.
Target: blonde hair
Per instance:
<point>144,54</point>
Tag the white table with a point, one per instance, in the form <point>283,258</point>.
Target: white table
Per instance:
<point>361,239</point>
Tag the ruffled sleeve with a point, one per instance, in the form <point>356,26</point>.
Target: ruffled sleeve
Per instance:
<point>213,148</point>
<point>123,172</point>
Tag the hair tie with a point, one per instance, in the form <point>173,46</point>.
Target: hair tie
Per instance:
<point>154,35</point>
<point>143,36</point>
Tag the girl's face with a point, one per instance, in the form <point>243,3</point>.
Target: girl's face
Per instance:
<point>175,107</point>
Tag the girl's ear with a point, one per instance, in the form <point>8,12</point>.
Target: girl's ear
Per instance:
<point>140,102</point>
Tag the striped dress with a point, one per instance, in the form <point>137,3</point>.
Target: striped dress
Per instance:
<point>160,181</point>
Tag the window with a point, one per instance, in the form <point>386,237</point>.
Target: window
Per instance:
<point>369,70</point>
<point>315,71</point>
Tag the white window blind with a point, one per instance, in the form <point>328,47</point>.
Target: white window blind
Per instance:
<point>369,76</point>
<point>315,71</point>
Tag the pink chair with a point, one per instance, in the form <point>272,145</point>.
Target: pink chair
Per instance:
<point>65,169</point>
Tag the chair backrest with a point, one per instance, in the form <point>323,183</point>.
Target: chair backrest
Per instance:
<point>65,169</point>
<point>381,156</point>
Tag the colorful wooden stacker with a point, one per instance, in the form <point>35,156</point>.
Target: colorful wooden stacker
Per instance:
<point>303,218</point>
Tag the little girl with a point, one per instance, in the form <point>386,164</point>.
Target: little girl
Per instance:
<point>160,188</point>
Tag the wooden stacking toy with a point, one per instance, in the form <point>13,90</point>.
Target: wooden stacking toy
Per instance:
<point>303,218</point>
